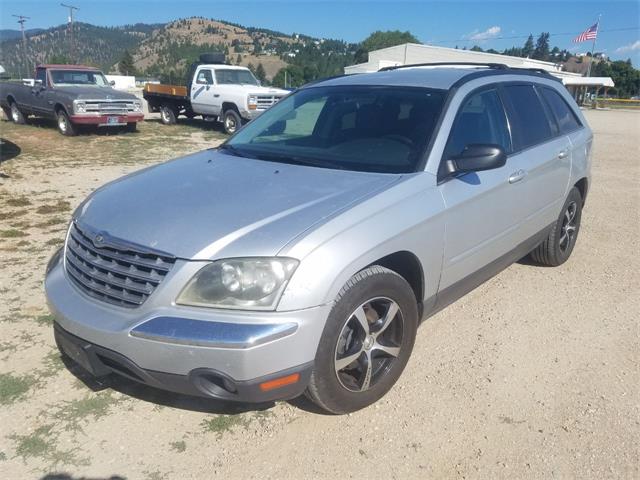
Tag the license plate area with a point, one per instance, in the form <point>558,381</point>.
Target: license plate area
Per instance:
<point>113,122</point>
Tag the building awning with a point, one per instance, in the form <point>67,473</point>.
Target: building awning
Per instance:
<point>588,81</point>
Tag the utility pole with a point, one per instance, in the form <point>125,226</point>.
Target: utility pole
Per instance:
<point>21,20</point>
<point>72,49</point>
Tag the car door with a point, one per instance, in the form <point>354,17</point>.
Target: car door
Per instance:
<point>40,93</point>
<point>204,98</point>
<point>481,207</point>
<point>542,158</point>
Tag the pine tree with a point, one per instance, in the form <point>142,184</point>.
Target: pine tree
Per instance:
<point>527,50</point>
<point>541,51</point>
<point>239,59</point>
<point>126,65</point>
<point>260,73</point>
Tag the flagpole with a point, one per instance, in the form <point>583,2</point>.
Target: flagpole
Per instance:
<point>593,47</point>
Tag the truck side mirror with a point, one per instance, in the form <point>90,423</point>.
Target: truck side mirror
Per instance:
<point>112,83</point>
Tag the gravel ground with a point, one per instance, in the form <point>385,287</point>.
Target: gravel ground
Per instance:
<point>535,374</point>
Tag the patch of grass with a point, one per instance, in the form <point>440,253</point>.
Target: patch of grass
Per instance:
<point>12,233</point>
<point>42,444</point>
<point>21,201</point>
<point>52,221</point>
<point>59,207</point>
<point>54,242</point>
<point>13,387</point>
<point>13,214</point>
<point>8,347</point>
<point>45,320</point>
<point>3,456</point>
<point>52,364</point>
<point>23,243</point>
<point>220,424</point>
<point>179,446</point>
<point>94,406</point>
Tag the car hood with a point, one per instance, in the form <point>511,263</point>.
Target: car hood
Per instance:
<point>256,90</point>
<point>96,93</point>
<point>213,205</point>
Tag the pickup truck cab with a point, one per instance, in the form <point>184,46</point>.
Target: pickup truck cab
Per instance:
<point>73,95</point>
<point>219,92</point>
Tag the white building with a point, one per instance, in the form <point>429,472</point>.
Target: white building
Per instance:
<point>411,53</point>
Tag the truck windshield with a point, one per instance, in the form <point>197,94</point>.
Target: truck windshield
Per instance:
<point>235,77</point>
<point>363,128</point>
<point>63,78</point>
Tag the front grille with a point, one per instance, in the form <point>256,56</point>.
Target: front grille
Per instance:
<point>121,275</point>
<point>266,101</point>
<point>110,108</point>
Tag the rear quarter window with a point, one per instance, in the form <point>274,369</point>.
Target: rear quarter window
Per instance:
<point>566,118</point>
<point>528,118</point>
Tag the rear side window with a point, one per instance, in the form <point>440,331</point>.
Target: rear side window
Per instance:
<point>567,121</point>
<point>529,121</point>
<point>481,120</point>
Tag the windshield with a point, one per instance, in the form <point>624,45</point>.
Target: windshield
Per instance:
<point>363,128</point>
<point>63,78</point>
<point>235,77</point>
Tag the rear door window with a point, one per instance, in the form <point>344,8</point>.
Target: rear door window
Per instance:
<point>529,121</point>
<point>567,120</point>
<point>480,120</point>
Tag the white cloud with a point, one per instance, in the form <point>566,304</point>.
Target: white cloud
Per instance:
<point>629,48</point>
<point>488,34</point>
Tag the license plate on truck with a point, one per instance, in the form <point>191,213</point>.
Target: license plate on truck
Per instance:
<point>113,121</point>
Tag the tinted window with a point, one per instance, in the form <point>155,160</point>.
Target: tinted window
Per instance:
<point>529,122</point>
<point>565,117</point>
<point>41,74</point>
<point>481,120</point>
<point>235,77</point>
<point>360,128</point>
<point>205,77</point>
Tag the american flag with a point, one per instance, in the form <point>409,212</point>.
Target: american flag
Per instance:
<point>589,34</point>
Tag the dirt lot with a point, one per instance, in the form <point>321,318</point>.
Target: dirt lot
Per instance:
<point>533,375</point>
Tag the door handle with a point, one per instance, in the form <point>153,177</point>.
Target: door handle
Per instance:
<point>216,95</point>
<point>563,154</point>
<point>517,176</point>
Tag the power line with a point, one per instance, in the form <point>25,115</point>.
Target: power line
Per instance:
<point>513,37</point>
<point>71,39</point>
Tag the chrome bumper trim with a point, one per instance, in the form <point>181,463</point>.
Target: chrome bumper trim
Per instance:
<point>185,331</point>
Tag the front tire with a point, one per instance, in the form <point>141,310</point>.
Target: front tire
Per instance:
<point>231,121</point>
<point>65,127</point>
<point>16,115</point>
<point>366,342</point>
<point>557,247</point>
<point>131,127</point>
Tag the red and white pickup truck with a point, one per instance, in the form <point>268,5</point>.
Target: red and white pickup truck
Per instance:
<point>72,95</point>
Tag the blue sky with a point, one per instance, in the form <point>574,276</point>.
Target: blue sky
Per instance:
<point>497,24</point>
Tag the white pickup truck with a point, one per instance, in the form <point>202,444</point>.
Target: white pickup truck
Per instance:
<point>219,92</point>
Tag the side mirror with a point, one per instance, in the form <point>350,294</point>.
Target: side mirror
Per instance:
<point>112,83</point>
<point>38,84</point>
<point>477,157</point>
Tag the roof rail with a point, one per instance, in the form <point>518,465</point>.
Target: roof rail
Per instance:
<point>499,66</point>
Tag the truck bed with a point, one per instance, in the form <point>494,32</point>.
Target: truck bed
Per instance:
<point>177,91</point>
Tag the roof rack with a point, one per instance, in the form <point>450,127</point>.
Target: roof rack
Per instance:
<point>497,66</point>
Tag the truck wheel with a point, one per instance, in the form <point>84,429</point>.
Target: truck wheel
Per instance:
<point>65,127</point>
<point>557,248</point>
<point>131,127</point>
<point>366,341</point>
<point>168,115</point>
<point>231,121</point>
<point>16,114</point>
<point>7,113</point>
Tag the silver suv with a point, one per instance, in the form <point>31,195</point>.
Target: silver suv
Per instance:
<point>302,254</point>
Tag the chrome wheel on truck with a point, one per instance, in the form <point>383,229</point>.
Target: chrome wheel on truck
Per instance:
<point>16,114</point>
<point>232,121</point>
<point>366,342</point>
<point>65,126</point>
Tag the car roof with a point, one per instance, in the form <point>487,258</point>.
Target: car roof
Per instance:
<point>67,67</point>
<point>429,76</point>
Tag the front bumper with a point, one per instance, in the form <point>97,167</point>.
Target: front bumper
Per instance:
<point>81,119</point>
<point>163,342</point>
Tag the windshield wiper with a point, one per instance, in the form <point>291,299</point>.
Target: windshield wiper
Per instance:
<point>297,160</point>
<point>235,151</point>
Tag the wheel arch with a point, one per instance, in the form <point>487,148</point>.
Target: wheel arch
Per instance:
<point>230,106</point>
<point>59,106</point>
<point>408,266</point>
<point>583,187</point>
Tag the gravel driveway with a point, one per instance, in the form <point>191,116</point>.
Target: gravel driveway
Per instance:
<point>535,374</point>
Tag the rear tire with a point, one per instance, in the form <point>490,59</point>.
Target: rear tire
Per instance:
<point>65,127</point>
<point>16,115</point>
<point>168,115</point>
<point>366,342</point>
<point>231,121</point>
<point>557,248</point>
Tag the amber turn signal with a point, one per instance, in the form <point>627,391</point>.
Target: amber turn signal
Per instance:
<point>279,382</point>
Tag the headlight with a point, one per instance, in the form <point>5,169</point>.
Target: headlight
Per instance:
<point>80,107</point>
<point>240,283</point>
<point>137,106</point>
<point>253,102</point>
